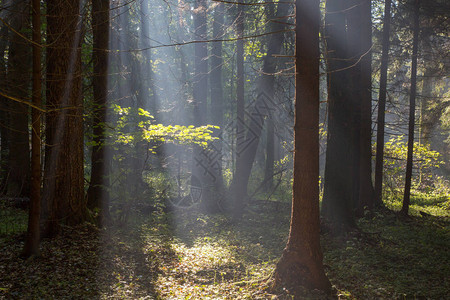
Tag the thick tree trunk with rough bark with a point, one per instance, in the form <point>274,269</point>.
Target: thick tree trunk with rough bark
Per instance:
<point>378,201</point>
<point>63,175</point>
<point>412,110</point>
<point>301,262</point>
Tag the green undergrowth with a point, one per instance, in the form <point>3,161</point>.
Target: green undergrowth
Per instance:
<point>429,203</point>
<point>391,257</point>
<point>13,221</point>
<point>190,255</point>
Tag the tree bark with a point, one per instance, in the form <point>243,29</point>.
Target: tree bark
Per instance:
<point>32,241</point>
<point>19,64</point>
<point>63,174</point>
<point>354,92</point>
<point>217,99</point>
<point>378,201</point>
<point>4,119</point>
<point>239,196</point>
<point>98,188</point>
<point>365,137</point>
<point>301,261</point>
<point>337,204</point>
<point>412,110</point>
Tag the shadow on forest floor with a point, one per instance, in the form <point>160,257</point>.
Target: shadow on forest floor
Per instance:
<point>392,257</point>
<point>82,263</point>
<point>189,255</point>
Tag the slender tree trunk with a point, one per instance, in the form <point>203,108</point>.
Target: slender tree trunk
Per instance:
<point>217,91</point>
<point>354,91</point>
<point>378,201</point>
<point>98,188</point>
<point>33,235</point>
<point>412,110</point>
<point>301,261</point>
<point>18,86</point>
<point>270,130</point>
<point>337,205</point>
<point>365,138</point>
<point>147,87</point>
<point>4,120</point>
<point>63,175</point>
<point>239,196</point>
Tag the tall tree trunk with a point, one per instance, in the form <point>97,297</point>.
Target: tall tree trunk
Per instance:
<point>147,90</point>
<point>19,79</point>
<point>412,110</point>
<point>301,261</point>
<point>261,109</point>
<point>217,91</point>
<point>98,188</point>
<point>337,205</point>
<point>4,120</point>
<point>378,201</point>
<point>33,235</point>
<point>63,175</point>
<point>239,197</point>
<point>365,136</point>
<point>201,173</point>
<point>270,130</point>
<point>354,91</point>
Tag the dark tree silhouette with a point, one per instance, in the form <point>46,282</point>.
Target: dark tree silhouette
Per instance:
<point>97,193</point>
<point>18,80</point>
<point>337,204</point>
<point>239,196</point>
<point>412,109</point>
<point>378,201</point>
<point>33,235</point>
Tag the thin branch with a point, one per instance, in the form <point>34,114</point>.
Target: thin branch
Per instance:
<point>30,104</point>
<point>253,4</point>
<point>200,41</point>
<point>351,66</point>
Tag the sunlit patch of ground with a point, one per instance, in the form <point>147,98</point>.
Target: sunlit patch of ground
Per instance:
<point>433,204</point>
<point>210,262</point>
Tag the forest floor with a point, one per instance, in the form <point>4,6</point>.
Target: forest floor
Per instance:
<point>188,255</point>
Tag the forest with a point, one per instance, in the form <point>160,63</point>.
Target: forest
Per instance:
<point>224,149</point>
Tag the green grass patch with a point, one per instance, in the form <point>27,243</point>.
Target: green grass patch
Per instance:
<point>433,204</point>
<point>13,221</point>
